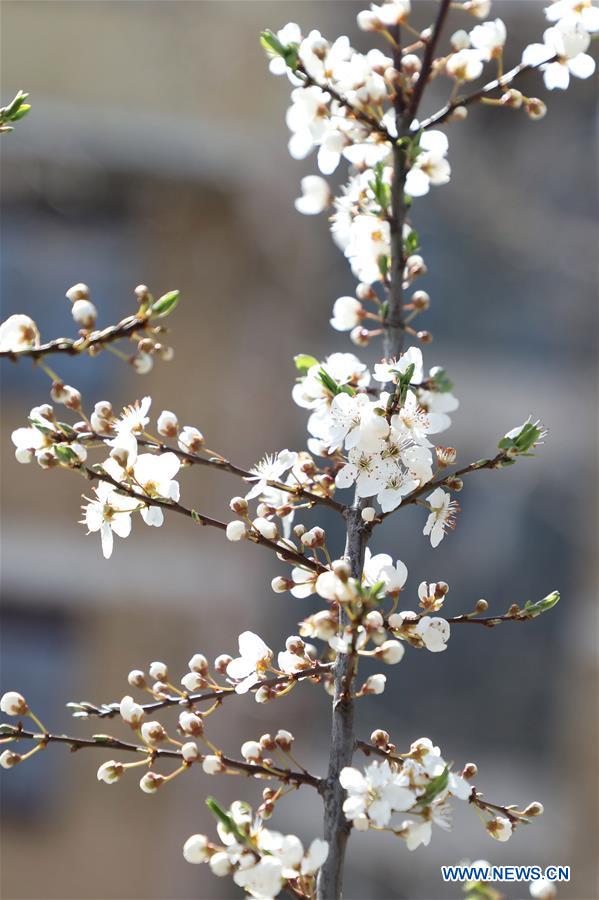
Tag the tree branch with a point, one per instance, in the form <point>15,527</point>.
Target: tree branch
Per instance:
<point>498,83</point>
<point>217,462</point>
<point>126,328</point>
<point>109,710</point>
<point>427,61</point>
<point>287,776</point>
<point>201,519</point>
<point>357,113</point>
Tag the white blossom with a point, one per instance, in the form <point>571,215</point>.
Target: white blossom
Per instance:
<point>316,195</point>
<point>110,772</point>
<point>13,704</point>
<point>442,515</point>
<point>430,166</point>
<point>380,568</point>
<point>18,332</point>
<point>271,468</point>
<point>376,794</point>
<point>254,659</point>
<point>389,370</point>
<point>347,314</point>
<point>195,848</point>
<point>568,41</point>
<point>500,828</point>
<point>583,10</point>
<point>109,513</point>
<point>465,65</point>
<point>131,712</point>
<point>489,38</point>
<point>434,633</point>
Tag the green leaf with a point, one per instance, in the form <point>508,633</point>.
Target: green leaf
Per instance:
<point>225,819</point>
<point>274,47</point>
<point>441,381</point>
<point>541,606</point>
<point>303,362</point>
<point>165,304</point>
<point>412,242</point>
<point>383,264</point>
<point>21,112</point>
<point>435,787</point>
<point>5,728</point>
<point>65,454</point>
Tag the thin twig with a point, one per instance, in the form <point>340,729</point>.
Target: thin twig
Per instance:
<point>109,710</point>
<point>108,742</point>
<point>427,61</point>
<point>498,83</point>
<point>73,346</point>
<point>215,462</point>
<point>202,519</point>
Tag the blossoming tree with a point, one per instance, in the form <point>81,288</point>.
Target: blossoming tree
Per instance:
<point>372,433</point>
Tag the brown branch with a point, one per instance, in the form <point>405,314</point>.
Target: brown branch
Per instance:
<point>427,61</point>
<point>498,83</point>
<point>108,742</point>
<point>414,496</point>
<point>201,519</point>
<point>109,710</point>
<point>358,113</point>
<point>126,328</point>
<point>215,462</point>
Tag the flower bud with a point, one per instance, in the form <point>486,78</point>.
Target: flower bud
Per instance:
<point>469,771</point>
<point>150,782</point>
<point>131,712</point>
<point>481,606</point>
<point>375,684</point>
<point>212,765</point>
<point>158,671</point>
<point>390,652</point>
<point>455,484</point>
<point>535,108</point>
<point>84,313</point>
<point>191,723</point>
<point>500,828</point>
<point>110,772</point>
<point>142,363</point>
<point>195,848</point>
<point>65,394</point>
<point>190,439</point>
<point>236,530</point>
<point>368,514</point>
<point>359,336</point>
<point>136,678</point>
<point>103,409</point>
<point>267,742</point>
<point>266,528</point>
<point>142,292</point>
<point>415,266</point>
<point>342,569</point>
<point>198,663</point>
<point>313,538</point>
<point>374,620</point>
<point>513,98</point>
<point>238,505</point>
<point>9,759</point>
<point>190,751</point>
<point>299,530</point>
<point>459,114</point>
<point>153,732</point>
<point>446,456</point>
<point>294,644</point>
<point>534,809</point>
<point>425,337</point>
<point>13,704</point>
<point>221,662</point>
<point>284,739</point>
<point>79,291</point>
<point>411,64</point>
<point>280,584</point>
<point>380,738</point>
<point>220,864</point>
<point>251,751</point>
<point>193,681</point>
<point>460,40</point>
<point>168,425</point>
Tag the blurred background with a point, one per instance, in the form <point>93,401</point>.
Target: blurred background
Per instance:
<point>156,152</point>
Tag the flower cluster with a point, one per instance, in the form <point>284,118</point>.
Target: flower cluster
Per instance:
<point>261,861</point>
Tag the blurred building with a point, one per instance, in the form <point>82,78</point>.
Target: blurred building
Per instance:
<point>156,152</point>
